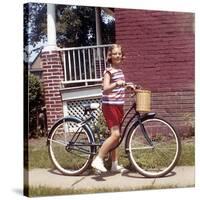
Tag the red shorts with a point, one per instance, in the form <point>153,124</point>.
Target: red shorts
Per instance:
<point>113,114</point>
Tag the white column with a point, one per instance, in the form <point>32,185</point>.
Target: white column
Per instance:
<point>51,27</point>
<point>98,26</point>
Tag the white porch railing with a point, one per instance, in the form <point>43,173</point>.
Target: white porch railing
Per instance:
<point>84,65</point>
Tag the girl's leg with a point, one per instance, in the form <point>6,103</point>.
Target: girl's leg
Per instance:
<point>114,155</point>
<point>107,145</point>
<point>110,143</point>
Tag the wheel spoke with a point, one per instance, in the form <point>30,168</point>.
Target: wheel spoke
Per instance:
<point>69,147</point>
<point>59,142</point>
<point>159,159</point>
<point>140,148</point>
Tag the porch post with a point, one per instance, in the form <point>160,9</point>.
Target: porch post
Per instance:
<point>51,27</point>
<point>98,26</point>
<point>99,60</point>
<point>53,75</point>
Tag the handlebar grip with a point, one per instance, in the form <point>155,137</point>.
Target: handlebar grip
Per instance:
<point>135,85</point>
<point>138,87</point>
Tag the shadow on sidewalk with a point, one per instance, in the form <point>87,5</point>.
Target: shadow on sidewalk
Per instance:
<point>102,176</point>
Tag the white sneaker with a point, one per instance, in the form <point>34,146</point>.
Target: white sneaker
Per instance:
<point>97,163</point>
<point>118,169</point>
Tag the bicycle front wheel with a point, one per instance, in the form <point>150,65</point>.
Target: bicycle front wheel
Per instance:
<point>160,158</point>
<point>69,146</point>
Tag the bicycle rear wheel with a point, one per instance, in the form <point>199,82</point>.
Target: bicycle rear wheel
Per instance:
<point>160,158</point>
<point>69,146</point>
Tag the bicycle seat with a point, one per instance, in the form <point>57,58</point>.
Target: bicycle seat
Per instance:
<point>91,106</point>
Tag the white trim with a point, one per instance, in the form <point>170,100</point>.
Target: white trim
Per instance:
<point>82,81</point>
<point>81,97</point>
<point>85,47</point>
<point>114,102</point>
<point>81,93</point>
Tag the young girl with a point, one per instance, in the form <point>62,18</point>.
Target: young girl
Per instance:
<point>112,107</point>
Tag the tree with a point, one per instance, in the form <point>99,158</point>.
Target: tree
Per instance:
<point>75,25</point>
<point>108,32</point>
<point>35,29</point>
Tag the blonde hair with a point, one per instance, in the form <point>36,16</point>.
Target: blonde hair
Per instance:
<point>109,52</point>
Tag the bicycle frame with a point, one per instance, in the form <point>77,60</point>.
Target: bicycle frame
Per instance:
<point>84,140</point>
<point>91,117</point>
<point>137,118</point>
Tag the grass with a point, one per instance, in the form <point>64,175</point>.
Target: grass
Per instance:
<point>44,191</point>
<point>38,158</point>
<point>38,154</point>
<point>188,153</point>
<point>48,191</point>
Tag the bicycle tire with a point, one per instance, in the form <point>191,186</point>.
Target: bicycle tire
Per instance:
<point>159,159</point>
<point>70,156</point>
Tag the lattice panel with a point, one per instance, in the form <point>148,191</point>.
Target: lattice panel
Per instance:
<point>75,107</point>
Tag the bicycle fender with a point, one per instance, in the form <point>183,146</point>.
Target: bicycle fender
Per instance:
<point>134,121</point>
<point>150,115</point>
<point>75,119</point>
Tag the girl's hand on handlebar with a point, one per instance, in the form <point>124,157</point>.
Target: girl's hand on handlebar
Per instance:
<point>138,87</point>
<point>131,86</point>
<point>121,83</point>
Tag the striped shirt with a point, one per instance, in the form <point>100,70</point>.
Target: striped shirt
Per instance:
<point>116,96</point>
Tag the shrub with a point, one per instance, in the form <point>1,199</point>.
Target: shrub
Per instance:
<point>190,122</point>
<point>36,102</point>
<point>101,126</point>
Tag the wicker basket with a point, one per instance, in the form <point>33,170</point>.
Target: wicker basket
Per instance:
<point>143,100</point>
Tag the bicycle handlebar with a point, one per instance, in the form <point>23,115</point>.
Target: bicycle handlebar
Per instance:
<point>133,87</point>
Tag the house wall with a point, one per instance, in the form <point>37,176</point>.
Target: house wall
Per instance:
<point>37,63</point>
<point>36,67</point>
<point>159,50</point>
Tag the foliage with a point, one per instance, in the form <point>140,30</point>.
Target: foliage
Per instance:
<point>34,20</point>
<point>75,25</point>
<point>190,122</point>
<point>36,101</point>
<point>108,32</point>
<point>101,126</point>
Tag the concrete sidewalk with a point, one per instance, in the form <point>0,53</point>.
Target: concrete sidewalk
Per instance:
<point>179,177</point>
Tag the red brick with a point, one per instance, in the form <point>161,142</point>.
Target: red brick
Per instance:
<point>159,50</point>
<point>52,74</point>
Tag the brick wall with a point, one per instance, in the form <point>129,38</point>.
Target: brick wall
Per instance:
<point>159,50</point>
<point>52,76</point>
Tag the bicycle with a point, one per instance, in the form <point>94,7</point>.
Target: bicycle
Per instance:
<point>152,144</point>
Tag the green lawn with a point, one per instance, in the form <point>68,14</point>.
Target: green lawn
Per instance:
<point>38,154</point>
<point>38,158</point>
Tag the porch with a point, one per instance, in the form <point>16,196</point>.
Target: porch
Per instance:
<point>72,77</point>
<point>83,68</point>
